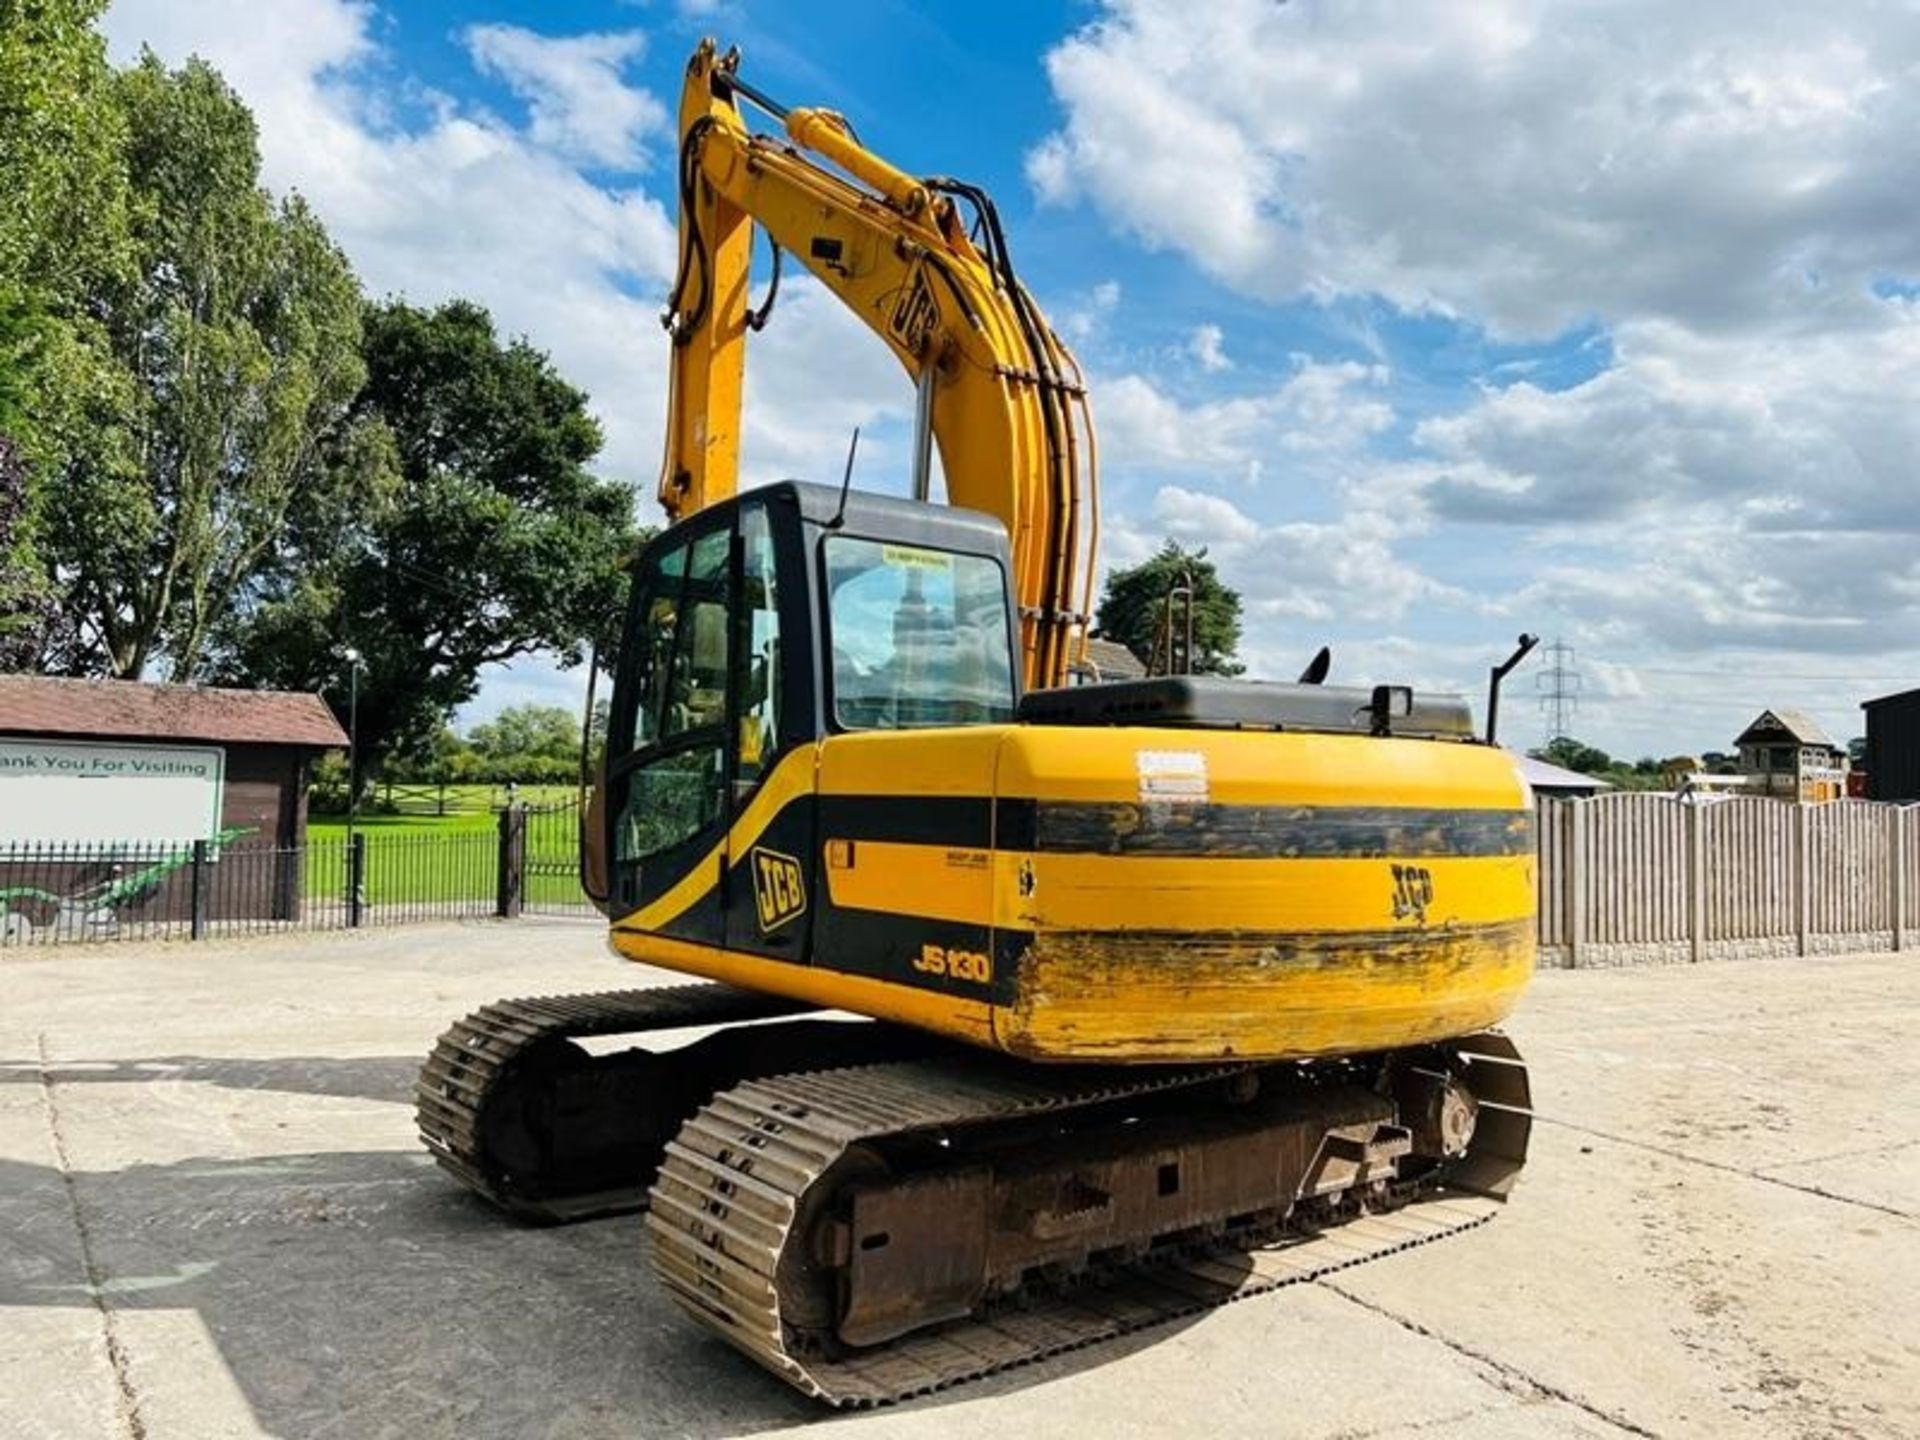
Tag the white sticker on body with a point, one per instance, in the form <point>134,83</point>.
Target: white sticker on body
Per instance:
<point>1172,777</point>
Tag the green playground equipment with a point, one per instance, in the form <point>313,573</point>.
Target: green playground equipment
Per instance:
<point>93,909</point>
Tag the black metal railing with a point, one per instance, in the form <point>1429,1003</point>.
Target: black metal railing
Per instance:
<point>68,892</point>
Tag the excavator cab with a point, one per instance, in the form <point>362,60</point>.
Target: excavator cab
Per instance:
<point>757,630</point>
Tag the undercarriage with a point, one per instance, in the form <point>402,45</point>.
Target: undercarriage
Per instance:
<point>872,1213</point>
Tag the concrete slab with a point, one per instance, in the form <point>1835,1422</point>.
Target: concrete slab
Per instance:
<point>214,1220</point>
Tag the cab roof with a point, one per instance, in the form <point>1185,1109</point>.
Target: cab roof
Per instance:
<point>892,517</point>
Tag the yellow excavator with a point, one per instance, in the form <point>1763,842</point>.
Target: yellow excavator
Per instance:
<point>1174,989</point>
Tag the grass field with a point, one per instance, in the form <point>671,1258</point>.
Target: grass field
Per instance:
<point>445,859</point>
<point>462,801</point>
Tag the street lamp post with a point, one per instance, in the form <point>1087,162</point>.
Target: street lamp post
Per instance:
<point>357,880</point>
<point>352,657</point>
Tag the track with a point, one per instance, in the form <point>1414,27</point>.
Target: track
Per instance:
<point>731,1213</point>
<point>495,1075</point>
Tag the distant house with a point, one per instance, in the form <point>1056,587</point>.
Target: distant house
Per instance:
<point>1893,746</point>
<point>1785,753</point>
<point>1556,783</point>
<point>1108,660</point>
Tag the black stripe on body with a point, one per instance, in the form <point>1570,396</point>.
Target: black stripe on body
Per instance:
<point>1276,832</point>
<point>888,946</point>
<point>1280,832</point>
<point>963,822</point>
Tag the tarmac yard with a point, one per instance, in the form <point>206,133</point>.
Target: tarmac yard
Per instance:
<point>215,1220</point>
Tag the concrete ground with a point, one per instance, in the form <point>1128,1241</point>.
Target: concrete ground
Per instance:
<point>215,1220</point>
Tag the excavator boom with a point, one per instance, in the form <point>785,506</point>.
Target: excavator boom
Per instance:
<point>999,393</point>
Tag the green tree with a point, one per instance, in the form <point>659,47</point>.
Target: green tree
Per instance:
<point>62,229</point>
<point>1134,604</point>
<point>235,329</point>
<point>60,139</point>
<point>1571,754</point>
<point>529,732</point>
<point>499,541</point>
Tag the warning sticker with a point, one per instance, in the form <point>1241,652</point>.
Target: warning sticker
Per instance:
<point>1172,777</point>
<point>912,557</point>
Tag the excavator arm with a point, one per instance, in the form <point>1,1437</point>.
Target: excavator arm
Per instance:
<point>998,391</point>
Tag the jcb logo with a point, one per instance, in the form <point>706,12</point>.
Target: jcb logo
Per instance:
<point>914,314</point>
<point>778,890</point>
<point>1412,892</point>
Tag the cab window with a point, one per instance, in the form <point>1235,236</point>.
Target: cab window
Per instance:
<point>759,650</point>
<point>919,636</point>
<point>680,683</point>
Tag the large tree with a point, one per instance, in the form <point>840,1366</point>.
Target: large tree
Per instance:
<point>60,141</point>
<point>234,328</point>
<point>62,232</point>
<point>1133,608</point>
<point>498,543</point>
<point>547,732</point>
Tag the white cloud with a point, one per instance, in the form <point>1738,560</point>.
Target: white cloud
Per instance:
<point>1707,492</point>
<point>578,105</point>
<point>1719,190</point>
<point>813,375</point>
<point>1085,318</point>
<point>1520,161</point>
<point>1207,346</point>
<point>1339,571</point>
<point>463,203</point>
<point>1319,409</point>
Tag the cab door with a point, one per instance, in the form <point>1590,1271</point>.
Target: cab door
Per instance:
<point>710,781</point>
<point>668,800</point>
<point>772,878</point>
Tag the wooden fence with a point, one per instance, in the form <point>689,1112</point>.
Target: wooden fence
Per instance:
<point>1633,878</point>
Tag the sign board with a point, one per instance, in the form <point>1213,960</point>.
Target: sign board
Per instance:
<point>63,792</point>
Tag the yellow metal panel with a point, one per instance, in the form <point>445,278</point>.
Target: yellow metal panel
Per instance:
<point>1153,892</point>
<point>932,882</point>
<point>1087,763</point>
<point>968,1020</point>
<point>958,761</point>
<point>1101,998</point>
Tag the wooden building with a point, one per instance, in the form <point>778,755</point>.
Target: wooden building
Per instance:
<point>1893,746</point>
<point>1107,660</point>
<point>128,775</point>
<point>1785,753</point>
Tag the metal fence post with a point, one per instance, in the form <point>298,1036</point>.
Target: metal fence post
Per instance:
<point>510,889</point>
<point>198,890</point>
<point>356,878</point>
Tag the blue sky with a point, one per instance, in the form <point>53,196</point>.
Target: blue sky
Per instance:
<point>1437,323</point>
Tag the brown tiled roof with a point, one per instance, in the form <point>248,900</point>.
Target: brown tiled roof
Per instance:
<point>1113,660</point>
<point>135,710</point>
<point>1801,726</point>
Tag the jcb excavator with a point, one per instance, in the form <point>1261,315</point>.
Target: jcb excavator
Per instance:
<point>1177,989</point>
